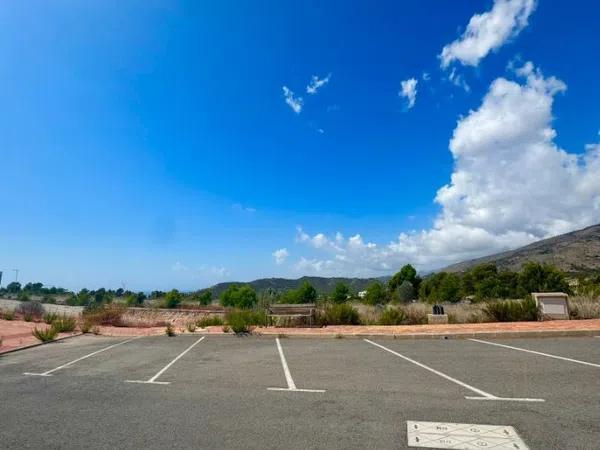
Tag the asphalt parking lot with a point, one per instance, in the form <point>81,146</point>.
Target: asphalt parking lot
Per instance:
<point>258,392</point>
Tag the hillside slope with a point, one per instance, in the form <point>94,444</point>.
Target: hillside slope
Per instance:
<point>574,252</point>
<point>321,284</point>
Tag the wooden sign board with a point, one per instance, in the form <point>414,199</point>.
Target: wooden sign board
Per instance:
<point>553,305</point>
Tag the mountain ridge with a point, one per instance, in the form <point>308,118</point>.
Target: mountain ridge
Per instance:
<point>576,252</point>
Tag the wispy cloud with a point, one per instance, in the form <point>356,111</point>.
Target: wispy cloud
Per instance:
<point>409,91</point>
<point>458,80</point>
<point>488,31</point>
<point>316,83</point>
<point>293,102</point>
<point>179,267</point>
<point>241,208</point>
<point>280,255</point>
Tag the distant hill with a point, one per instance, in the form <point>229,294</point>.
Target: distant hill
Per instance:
<point>321,284</point>
<point>577,252</point>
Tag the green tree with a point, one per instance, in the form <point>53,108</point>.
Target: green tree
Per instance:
<point>173,298</point>
<point>536,277</point>
<point>204,297</point>
<point>306,293</point>
<point>376,294</point>
<point>13,287</point>
<point>449,288</point>
<point>340,293</point>
<point>405,292</point>
<point>239,296</point>
<point>406,273</point>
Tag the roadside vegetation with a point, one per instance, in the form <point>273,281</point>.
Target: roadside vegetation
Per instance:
<point>482,294</point>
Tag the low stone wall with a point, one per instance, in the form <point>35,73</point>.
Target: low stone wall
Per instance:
<point>48,307</point>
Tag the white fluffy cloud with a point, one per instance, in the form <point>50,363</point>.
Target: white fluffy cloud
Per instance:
<point>280,255</point>
<point>409,91</point>
<point>488,31</point>
<point>511,185</point>
<point>316,83</point>
<point>293,102</point>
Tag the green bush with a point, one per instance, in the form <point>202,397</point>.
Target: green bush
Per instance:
<point>172,299</point>
<point>392,316</point>
<point>191,327</point>
<point>45,335</point>
<point>210,321</point>
<point>64,324</point>
<point>49,317</point>
<point>240,321</point>
<point>340,294</point>
<point>376,294</point>
<point>239,296</point>
<point>339,314</point>
<point>512,310</point>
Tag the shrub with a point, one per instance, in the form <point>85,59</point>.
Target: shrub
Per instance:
<point>170,330</point>
<point>392,316</point>
<point>64,324</point>
<point>191,327</point>
<point>376,294</point>
<point>584,308</point>
<point>342,314</point>
<point>111,315</point>
<point>416,314</point>
<point>226,329</point>
<point>209,321</point>
<point>30,310</point>
<point>49,317</point>
<point>240,321</point>
<point>172,299</point>
<point>8,315</point>
<point>405,292</point>
<point>238,324</point>
<point>239,296</point>
<point>512,310</point>
<point>340,294</point>
<point>85,326</point>
<point>45,335</point>
<point>23,297</point>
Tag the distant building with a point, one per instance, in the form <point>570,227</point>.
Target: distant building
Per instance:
<point>362,294</point>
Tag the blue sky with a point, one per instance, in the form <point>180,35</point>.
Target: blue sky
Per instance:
<point>149,143</point>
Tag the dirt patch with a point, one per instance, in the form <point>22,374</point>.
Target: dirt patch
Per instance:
<point>17,333</point>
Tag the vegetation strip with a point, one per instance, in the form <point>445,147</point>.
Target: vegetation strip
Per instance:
<point>536,353</point>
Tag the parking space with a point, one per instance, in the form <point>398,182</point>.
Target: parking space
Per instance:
<point>266,392</point>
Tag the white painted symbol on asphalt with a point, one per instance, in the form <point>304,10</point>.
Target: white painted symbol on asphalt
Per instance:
<point>462,436</point>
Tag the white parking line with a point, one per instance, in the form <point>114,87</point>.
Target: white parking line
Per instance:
<point>484,395</point>
<point>288,376</point>
<point>49,372</point>
<point>536,353</point>
<point>163,370</point>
